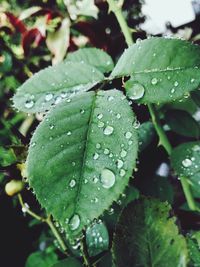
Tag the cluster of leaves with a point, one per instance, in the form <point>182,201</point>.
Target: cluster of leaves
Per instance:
<point>84,151</point>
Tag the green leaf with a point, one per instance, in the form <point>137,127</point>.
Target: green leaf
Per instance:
<point>181,122</point>
<point>157,187</point>
<point>97,238</point>
<point>84,151</point>
<point>53,84</point>
<point>42,259</point>
<point>193,241</point>
<point>7,157</point>
<point>196,97</point>
<point>146,133</point>
<point>185,160</point>
<point>162,70</point>
<point>147,236</point>
<point>93,57</point>
<point>69,262</point>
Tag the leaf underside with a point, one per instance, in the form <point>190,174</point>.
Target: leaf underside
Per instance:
<point>53,84</point>
<point>185,160</point>
<point>146,236</point>
<point>81,157</point>
<point>168,69</point>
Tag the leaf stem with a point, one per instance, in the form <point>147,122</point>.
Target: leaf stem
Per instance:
<point>163,139</point>
<point>122,22</point>
<point>56,234</point>
<point>186,188</point>
<point>46,220</point>
<point>84,251</point>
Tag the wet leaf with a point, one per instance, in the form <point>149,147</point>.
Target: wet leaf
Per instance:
<point>81,153</point>
<point>69,262</point>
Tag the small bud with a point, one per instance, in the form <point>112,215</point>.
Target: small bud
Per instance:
<point>14,187</point>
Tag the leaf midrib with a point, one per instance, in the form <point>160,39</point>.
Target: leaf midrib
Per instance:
<point>85,151</point>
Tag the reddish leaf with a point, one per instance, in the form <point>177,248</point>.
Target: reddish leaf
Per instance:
<point>30,37</point>
<point>17,24</point>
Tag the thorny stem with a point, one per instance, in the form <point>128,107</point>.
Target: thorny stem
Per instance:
<point>46,220</point>
<point>163,139</point>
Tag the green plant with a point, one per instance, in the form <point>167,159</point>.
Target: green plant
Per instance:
<point>83,153</point>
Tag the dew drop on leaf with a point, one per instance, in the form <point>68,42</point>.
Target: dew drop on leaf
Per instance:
<point>29,104</point>
<point>118,116</point>
<point>106,151</point>
<point>128,135</point>
<point>154,81</point>
<point>48,97</point>
<point>176,84</point>
<point>135,91</point>
<point>187,163</point>
<point>123,153</point>
<point>95,156</point>
<point>107,178</point>
<point>98,146</point>
<point>122,172</point>
<point>75,222</point>
<point>100,124</point>
<point>100,116</point>
<point>108,130</point>
<point>120,163</point>
<point>72,183</point>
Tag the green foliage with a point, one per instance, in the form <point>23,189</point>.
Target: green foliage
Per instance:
<point>69,262</point>
<point>7,157</point>
<point>53,84</point>
<point>147,236</point>
<point>181,122</point>
<point>97,238</point>
<point>74,160</point>
<point>193,240</point>
<point>185,160</point>
<point>93,57</point>
<point>146,133</point>
<point>169,72</point>
<point>42,258</point>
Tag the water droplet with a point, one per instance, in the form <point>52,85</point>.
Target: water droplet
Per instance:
<point>106,151</point>
<point>73,163</point>
<point>72,183</point>
<point>187,163</point>
<point>51,126</point>
<point>192,80</point>
<point>95,156</point>
<point>122,172</point>
<point>123,153</point>
<point>135,91</point>
<point>176,84</point>
<point>48,97</point>
<point>100,124</point>
<point>196,148</point>
<point>69,133</point>
<point>63,94</point>
<point>100,116</point>
<point>128,135</point>
<point>33,144</point>
<point>130,142</point>
<point>118,116</point>
<point>82,111</point>
<point>110,98</point>
<point>58,100</point>
<point>75,222</point>
<point>154,81</point>
<point>98,146</point>
<point>108,130</point>
<point>29,104</point>
<point>107,178</point>
<point>120,163</point>
<point>172,90</point>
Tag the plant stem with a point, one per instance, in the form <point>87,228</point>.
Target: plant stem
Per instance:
<point>56,234</point>
<point>163,139</point>
<point>85,252</point>
<point>122,22</point>
<point>46,220</point>
<point>188,195</point>
<point>31,213</point>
